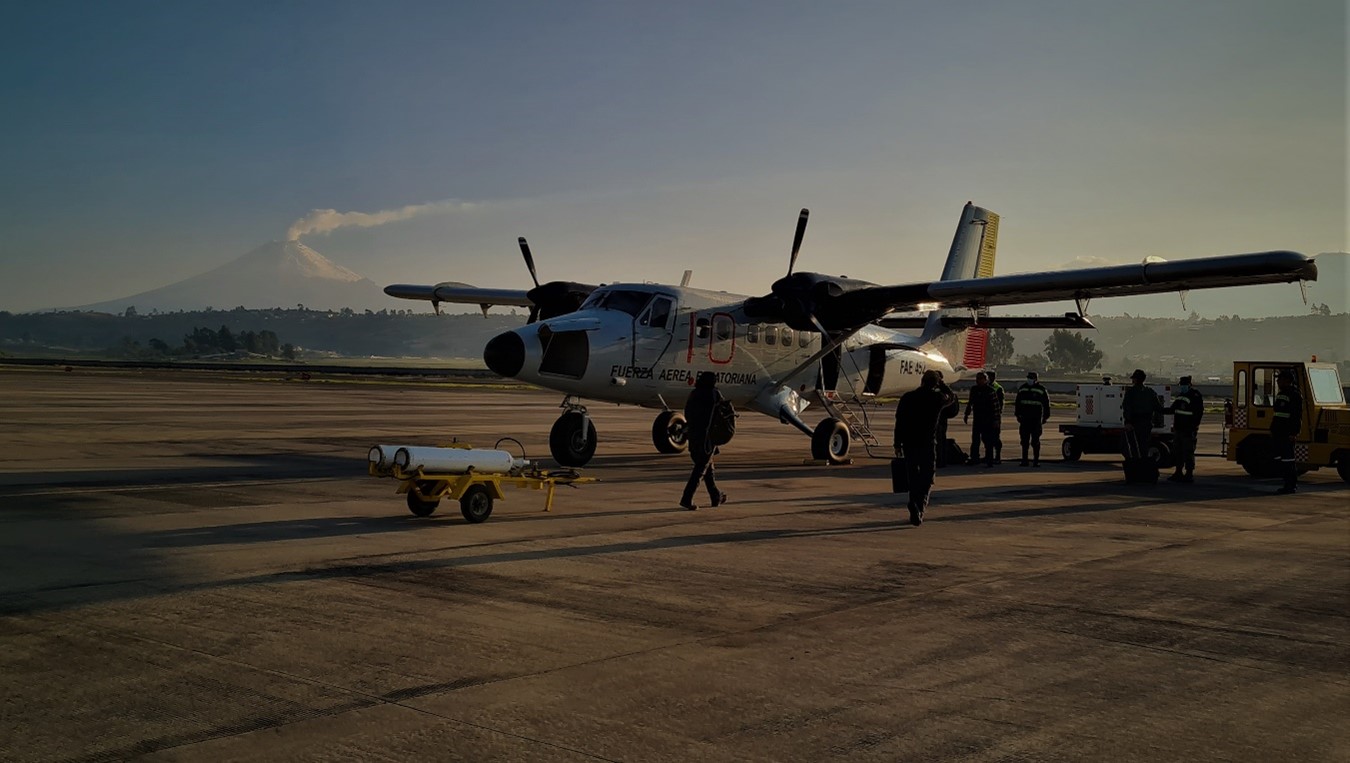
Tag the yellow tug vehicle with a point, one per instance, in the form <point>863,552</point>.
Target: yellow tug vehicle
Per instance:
<point>473,476</point>
<point>1324,434</point>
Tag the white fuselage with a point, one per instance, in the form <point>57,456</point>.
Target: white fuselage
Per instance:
<point>643,344</point>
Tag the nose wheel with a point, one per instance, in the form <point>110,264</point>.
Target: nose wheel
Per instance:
<point>670,432</point>
<point>572,440</point>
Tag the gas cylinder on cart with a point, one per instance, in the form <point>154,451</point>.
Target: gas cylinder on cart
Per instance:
<point>457,460</point>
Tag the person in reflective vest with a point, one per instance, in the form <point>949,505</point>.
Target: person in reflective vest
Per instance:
<point>1188,407</point>
<point>1285,427</point>
<point>1032,409</point>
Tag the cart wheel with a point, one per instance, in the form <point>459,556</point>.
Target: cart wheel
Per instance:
<point>422,507</point>
<point>476,504</point>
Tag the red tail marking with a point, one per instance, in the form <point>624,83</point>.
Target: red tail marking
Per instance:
<point>977,341</point>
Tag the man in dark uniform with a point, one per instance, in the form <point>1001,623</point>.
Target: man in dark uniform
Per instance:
<point>1139,406</point>
<point>1032,409</point>
<point>998,418</point>
<point>949,411</point>
<point>1187,409</point>
<point>916,423</point>
<point>1285,426</point>
<point>983,402</point>
<point>698,413</point>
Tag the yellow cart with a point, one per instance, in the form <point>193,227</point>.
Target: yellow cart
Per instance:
<point>475,491</point>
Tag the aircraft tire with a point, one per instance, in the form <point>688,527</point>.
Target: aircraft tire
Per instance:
<point>669,431</point>
<point>830,442</point>
<point>1070,450</point>
<point>419,506</point>
<point>1257,456</point>
<point>476,503</point>
<point>572,440</point>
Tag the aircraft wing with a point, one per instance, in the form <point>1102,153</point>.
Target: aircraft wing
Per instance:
<point>460,293</point>
<point>1090,283</point>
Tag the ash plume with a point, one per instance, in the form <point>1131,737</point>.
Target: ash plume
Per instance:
<point>329,220</point>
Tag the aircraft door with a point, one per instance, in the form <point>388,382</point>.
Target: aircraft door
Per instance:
<point>653,331</point>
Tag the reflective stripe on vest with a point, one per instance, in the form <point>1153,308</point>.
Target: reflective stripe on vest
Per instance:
<point>1184,412</point>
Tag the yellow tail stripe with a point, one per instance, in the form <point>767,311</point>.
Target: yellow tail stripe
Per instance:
<point>987,246</point>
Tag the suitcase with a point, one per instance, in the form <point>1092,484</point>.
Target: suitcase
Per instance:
<point>899,479</point>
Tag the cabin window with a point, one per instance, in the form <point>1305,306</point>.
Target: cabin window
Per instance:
<point>701,328</point>
<point>723,328</point>
<point>752,333</point>
<point>787,337</point>
<point>804,339</point>
<point>770,335</point>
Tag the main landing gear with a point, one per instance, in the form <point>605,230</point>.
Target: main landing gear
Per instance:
<point>830,441</point>
<point>670,432</point>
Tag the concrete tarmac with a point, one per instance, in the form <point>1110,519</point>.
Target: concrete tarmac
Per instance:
<point>195,566</point>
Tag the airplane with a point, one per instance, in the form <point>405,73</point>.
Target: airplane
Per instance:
<point>813,338</point>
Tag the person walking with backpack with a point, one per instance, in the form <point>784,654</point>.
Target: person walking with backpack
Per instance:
<point>698,415</point>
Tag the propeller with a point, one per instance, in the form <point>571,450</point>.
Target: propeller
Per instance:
<point>529,259</point>
<point>553,298</point>
<point>808,301</point>
<point>797,239</point>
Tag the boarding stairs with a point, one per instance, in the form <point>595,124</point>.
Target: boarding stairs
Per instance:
<point>853,412</point>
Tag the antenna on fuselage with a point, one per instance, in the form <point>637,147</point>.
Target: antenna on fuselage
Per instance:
<point>687,275</point>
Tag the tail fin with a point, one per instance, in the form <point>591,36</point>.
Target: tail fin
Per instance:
<point>971,256</point>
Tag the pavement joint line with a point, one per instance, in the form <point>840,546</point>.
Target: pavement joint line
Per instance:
<point>374,699</point>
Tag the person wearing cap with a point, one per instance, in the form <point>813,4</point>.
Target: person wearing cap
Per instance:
<point>998,417</point>
<point>916,423</point>
<point>983,402</point>
<point>1188,407</point>
<point>1139,407</point>
<point>1032,409</point>
<point>1285,426</point>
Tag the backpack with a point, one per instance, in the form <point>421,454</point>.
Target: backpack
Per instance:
<point>722,426</point>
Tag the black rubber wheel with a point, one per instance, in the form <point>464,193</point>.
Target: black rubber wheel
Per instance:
<point>1257,456</point>
<point>1161,453</point>
<point>830,442</point>
<point>670,432</point>
<point>420,506</point>
<point>1343,464</point>
<point>572,439</point>
<point>476,503</point>
<point>1070,450</point>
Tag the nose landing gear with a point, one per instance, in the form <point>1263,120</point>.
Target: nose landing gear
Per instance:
<point>572,440</point>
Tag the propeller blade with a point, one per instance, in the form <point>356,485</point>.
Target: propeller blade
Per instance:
<point>529,260</point>
<point>797,239</point>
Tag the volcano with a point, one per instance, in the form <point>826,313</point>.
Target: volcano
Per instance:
<point>276,274</point>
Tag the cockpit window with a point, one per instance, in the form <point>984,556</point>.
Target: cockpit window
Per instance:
<point>623,300</point>
<point>657,313</point>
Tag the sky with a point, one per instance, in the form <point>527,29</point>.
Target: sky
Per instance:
<point>146,142</point>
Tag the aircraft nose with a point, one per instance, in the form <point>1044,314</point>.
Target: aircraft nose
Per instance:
<point>505,354</point>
